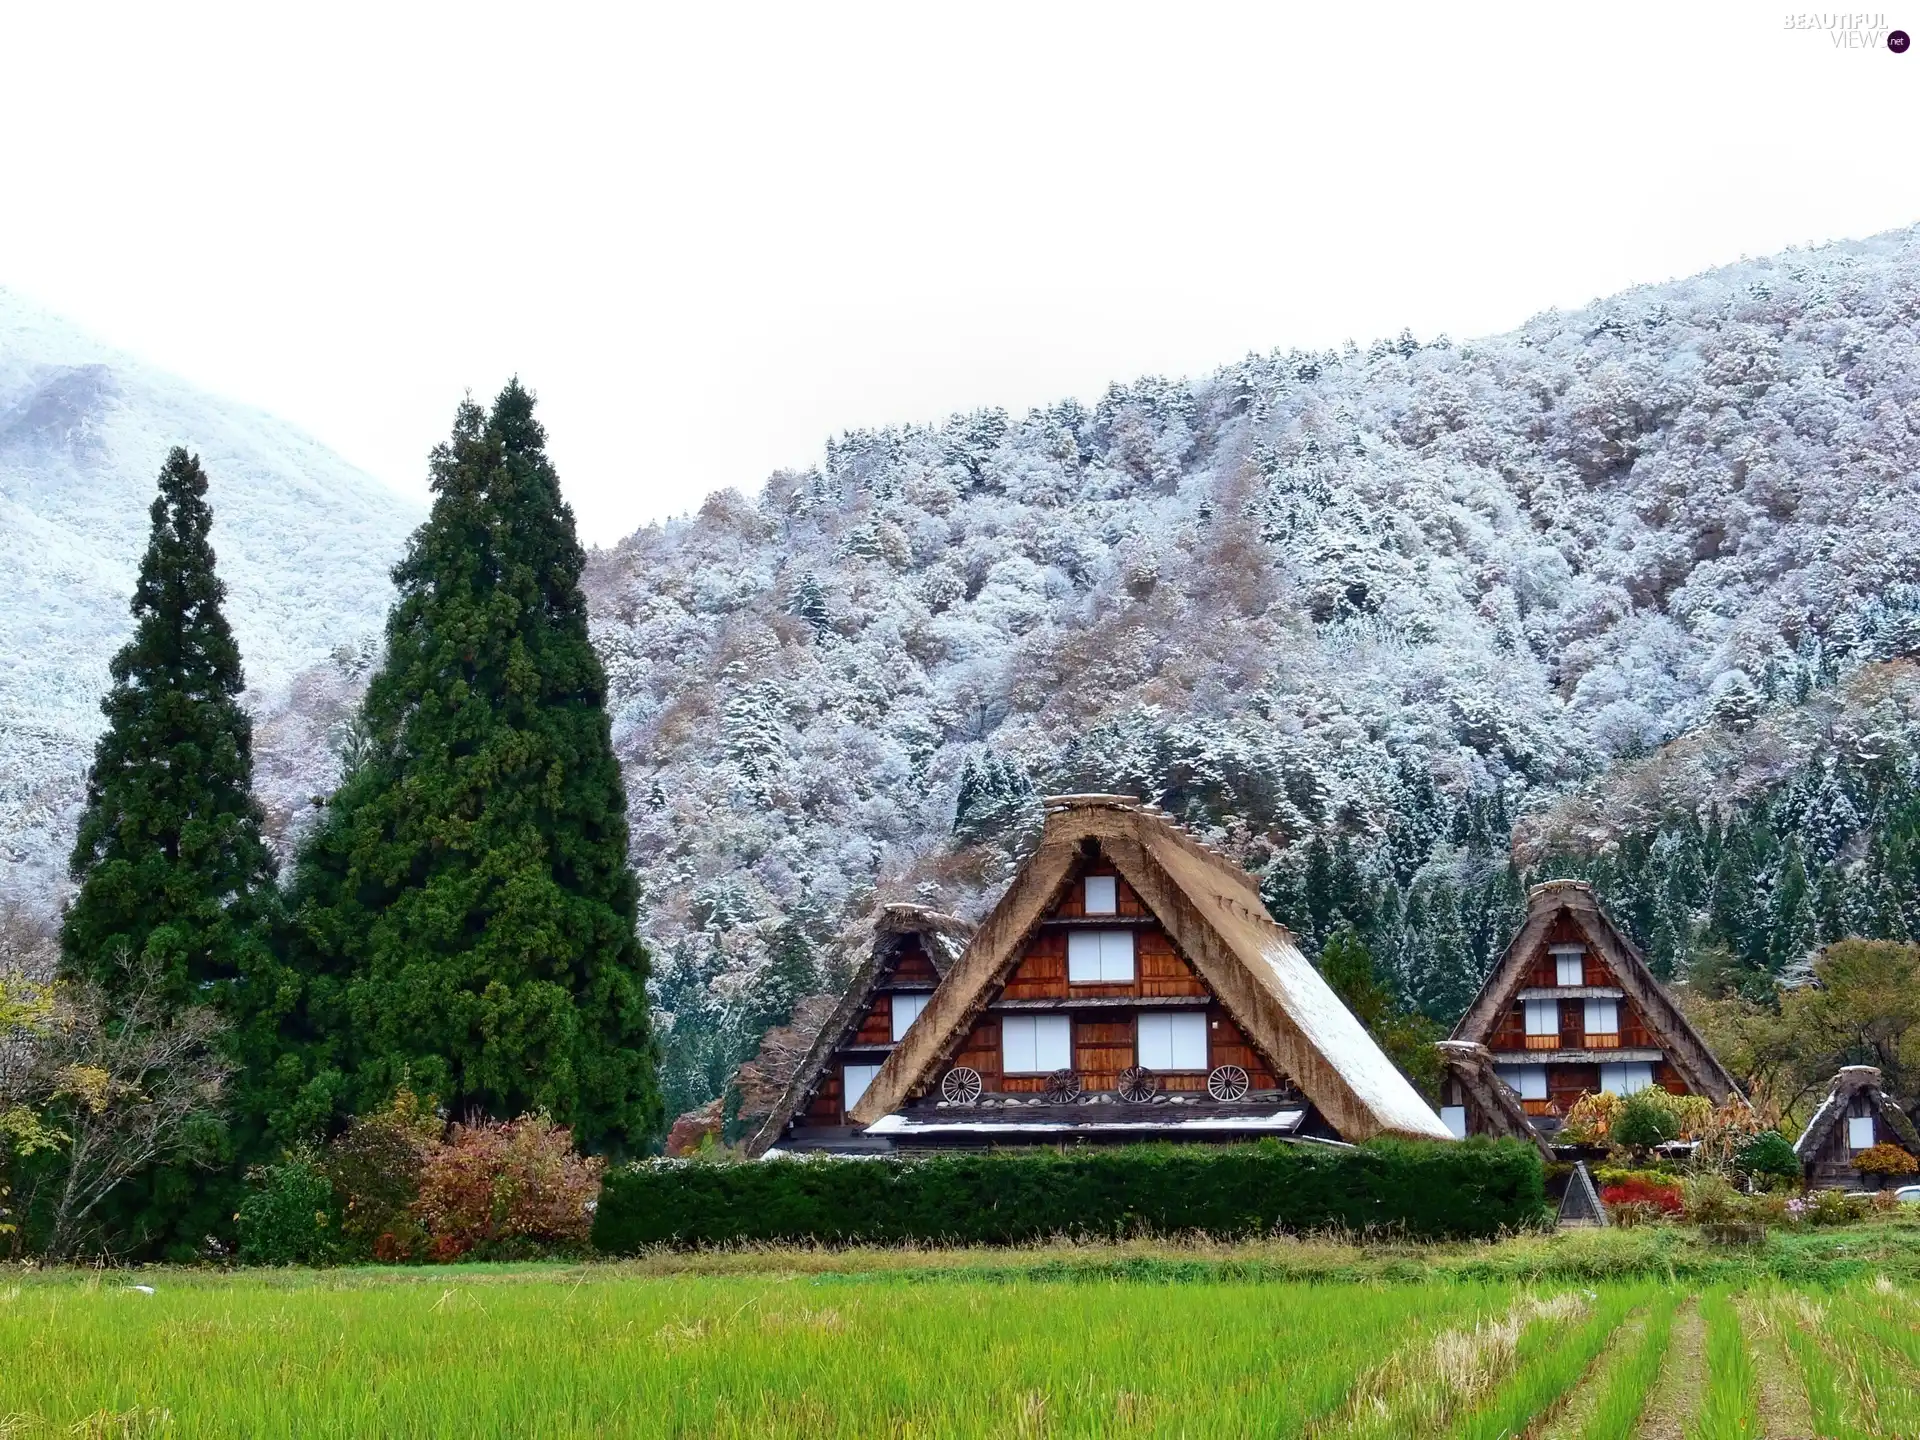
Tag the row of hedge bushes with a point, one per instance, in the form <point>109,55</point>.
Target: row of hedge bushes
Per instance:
<point>1470,1189</point>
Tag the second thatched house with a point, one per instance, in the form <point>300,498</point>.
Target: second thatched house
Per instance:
<point>1856,1116</point>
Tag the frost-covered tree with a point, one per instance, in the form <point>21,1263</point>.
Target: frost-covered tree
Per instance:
<point>464,911</point>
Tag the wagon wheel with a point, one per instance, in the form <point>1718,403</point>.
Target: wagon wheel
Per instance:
<point>961,1086</point>
<point>1063,1087</point>
<point>1137,1084</point>
<point>1227,1082</point>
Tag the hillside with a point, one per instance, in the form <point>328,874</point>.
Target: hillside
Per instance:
<point>304,541</point>
<point>1401,595</point>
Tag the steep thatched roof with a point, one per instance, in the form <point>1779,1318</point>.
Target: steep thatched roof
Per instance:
<point>1854,1082</point>
<point>942,936</point>
<point>1212,910</point>
<point>1685,1050</point>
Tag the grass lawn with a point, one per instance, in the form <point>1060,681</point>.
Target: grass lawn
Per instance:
<point>1615,1333</point>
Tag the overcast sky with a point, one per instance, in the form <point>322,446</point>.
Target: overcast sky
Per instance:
<point>710,238</point>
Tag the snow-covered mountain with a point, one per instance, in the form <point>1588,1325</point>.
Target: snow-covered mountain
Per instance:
<point>1284,599</point>
<point>304,542</point>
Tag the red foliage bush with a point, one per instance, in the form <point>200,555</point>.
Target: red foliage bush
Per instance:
<point>1638,1191</point>
<point>504,1188</point>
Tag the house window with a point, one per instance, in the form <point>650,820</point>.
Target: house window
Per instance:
<point>1454,1117</point>
<point>1102,895</point>
<point>906,1009</point>
<point>1036,1044</point>
<point>1569,967</point>
<point>1626,1078</point>
<point>1528,1081</point>
<point>1859,1132</point>
<point>1543,1024</point>
<point>1603,1017</point>
<point>856,1079</point>
<point>1100,957</point>
<point>1173,1040</point>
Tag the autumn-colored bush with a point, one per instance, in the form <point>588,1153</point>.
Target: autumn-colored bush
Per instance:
<point>375,1167</point>
<point>1885,1159</point>
<point>1642,1199</point>
<point>1590,1120</point>
<point>499,1189</point>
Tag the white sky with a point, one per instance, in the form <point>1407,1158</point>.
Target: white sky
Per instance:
<point>710,238</point>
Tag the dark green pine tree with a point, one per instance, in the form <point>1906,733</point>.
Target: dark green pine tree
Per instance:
<point>464,913</point>
<point>172,870</point>
<point>175,881</point>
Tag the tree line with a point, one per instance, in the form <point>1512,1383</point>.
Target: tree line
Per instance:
<point>458,920</point>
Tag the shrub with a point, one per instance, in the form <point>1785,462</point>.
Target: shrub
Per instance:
<point>1422,1189</point>
<point>507,1188</point>
<point>1885,1159</point>
<point>375,1167</point>
<point>1590,1120</point>
<point>289,1215</point>
<point>1768,1153</point>
<point>1832,1207</point>
<point>1644,1121</point>
<point>1638,1198</point>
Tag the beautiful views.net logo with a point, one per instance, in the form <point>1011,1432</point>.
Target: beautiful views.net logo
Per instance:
<point>1852,30</point>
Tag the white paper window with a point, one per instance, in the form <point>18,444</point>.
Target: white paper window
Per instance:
<point>1175,1040</point>
<point>906,1009</point>
<point>1626,1078</point>
<point>1100,957</point>
<point>1603,1017</point>
<point>1454,1117</point>
<point>1570,969</point>
<point>1859,1132</point>
<point>857,1078</point>
<point>1035,1044</point>
<point>1543,1017</point>
<point>1529,1080</point>
<point>1102,895</point>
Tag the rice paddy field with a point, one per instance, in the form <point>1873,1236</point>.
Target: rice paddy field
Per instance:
<point>1116,1344</point>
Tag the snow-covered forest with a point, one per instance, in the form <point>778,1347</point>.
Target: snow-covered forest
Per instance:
<point>1353,615</point>
<point>1629,592</point>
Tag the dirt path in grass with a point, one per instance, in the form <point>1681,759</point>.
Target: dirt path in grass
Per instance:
<point>1571,1419</point>
<point>1782,1402</point>
<point>1683,1381</point>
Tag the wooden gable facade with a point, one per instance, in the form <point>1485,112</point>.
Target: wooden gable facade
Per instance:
<point>912,948</point>
<point>1131,986</point>
<point>1572,1010</point>
<point>1856,1115</point>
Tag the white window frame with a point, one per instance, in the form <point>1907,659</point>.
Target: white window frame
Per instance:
<point>1454,1117</point>
<point>1570,967</point>
<point>1857,1126</point>
<point>1618,1078</point>
<point>1543,1017</point>
<point>1103,895</point>
<point>1603,1017</point>
<point>1171,1040</point>
<point>1100,957</point>
<point>847,1073</point>
<point>1529,1082</point>
<point>1035,1044</point>
<point>913,1002</point>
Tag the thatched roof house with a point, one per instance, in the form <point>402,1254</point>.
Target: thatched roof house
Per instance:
<point>1131,985</point>
<point>1856,1115</point>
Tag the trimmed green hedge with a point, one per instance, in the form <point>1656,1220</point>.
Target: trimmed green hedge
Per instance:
<point>1426,1190</point>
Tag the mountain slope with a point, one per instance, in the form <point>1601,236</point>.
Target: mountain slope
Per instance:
<point>304,543</point>
<point>1291,598</point>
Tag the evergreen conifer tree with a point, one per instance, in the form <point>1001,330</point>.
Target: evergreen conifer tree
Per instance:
<point>464,913</point>
<point>172,870</point>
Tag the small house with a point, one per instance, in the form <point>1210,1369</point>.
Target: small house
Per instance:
<point>1130,985</point>
<point>1856,1115</point>
<point>1571,1009</point>
<point>912,949</point>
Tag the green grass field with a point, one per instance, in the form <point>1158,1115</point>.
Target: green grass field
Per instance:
<point>1279,1338</point>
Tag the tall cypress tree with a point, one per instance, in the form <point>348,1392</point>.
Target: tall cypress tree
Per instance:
<point>171,865</point>
<point>464,911</point>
